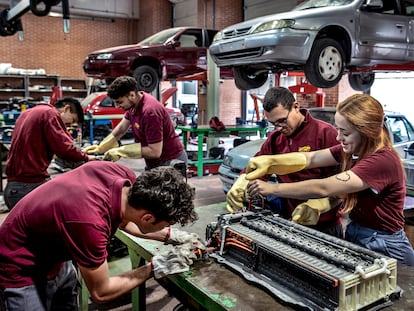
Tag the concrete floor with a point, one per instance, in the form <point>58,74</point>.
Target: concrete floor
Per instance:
<point>208,191</point>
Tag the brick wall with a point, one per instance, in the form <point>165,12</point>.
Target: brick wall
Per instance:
<point>46,46</point>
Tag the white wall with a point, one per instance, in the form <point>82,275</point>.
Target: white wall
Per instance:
<point>395,92</point>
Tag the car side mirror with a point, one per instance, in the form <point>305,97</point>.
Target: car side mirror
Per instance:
<point>372,5</point>
<point>175,44</point>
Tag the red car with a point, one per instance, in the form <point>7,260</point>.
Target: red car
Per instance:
<point>167,55</point>
<point>107,116</point>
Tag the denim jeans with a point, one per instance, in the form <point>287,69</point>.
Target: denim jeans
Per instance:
<point>60,293</point>
<point>395,245</point>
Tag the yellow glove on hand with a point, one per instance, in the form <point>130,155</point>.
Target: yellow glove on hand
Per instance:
<point>237,194</point>
<point>131,151</point>
<point>307,213</point>
<point>107,143</point>
<point>279,164</point>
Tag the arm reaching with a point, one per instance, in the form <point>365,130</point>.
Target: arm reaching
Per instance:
<point>107,143</point>
<point>280,164</point>
<point>131,151</point>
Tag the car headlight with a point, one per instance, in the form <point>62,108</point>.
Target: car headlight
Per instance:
<point>277,24</point>
<point>218,36</point>
<point>227,160</point>
<point>104,56</point>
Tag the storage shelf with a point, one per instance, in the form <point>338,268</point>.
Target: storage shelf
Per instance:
<point>39,88</point>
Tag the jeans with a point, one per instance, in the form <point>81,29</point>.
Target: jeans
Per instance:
<point>16,190</point>
<point>395,245</point>
<point>60,293</point>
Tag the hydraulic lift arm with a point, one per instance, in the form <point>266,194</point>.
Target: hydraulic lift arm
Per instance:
<point>10,21</point>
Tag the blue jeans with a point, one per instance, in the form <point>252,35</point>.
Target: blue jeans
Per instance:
<point>59,294</point>
<point>395,245</point>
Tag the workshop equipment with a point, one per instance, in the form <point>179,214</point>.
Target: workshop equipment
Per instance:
<point>303,267</point>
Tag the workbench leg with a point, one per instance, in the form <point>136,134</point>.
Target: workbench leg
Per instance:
<point>200,155</point>
<point>83,297</point>
<point>138,294</point>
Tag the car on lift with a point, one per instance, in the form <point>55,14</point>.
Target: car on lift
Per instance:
<point>401,130</point>
<point>167,55</point>
<point>322,38</point>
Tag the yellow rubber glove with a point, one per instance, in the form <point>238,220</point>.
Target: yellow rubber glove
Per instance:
<point>237,194</point>
<point>107,143</point>
<point>279,164</point>
<point>131,151</point>
<point>307,213</point>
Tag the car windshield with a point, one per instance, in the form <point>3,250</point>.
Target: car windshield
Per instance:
<point>160,37</point>
<point>321,3</point>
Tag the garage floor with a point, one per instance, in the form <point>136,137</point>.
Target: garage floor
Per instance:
<point>208,191</point>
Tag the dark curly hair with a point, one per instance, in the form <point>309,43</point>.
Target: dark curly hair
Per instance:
<point>164,192</point>
<point>121,86</point>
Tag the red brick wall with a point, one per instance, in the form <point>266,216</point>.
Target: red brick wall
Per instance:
<point>46,46</point>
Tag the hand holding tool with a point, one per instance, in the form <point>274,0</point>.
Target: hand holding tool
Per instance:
<point>237,194</point>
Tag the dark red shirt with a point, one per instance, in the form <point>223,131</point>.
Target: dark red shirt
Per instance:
<point>312,135</point>
<point>380,207</point>
<point>72,216</point>
<point>150,124</point>
<point>39,134</point>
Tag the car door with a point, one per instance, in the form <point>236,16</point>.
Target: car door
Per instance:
<point>407,8</point>
<point>189,55</point>
<point>382,33</point>
<point>402,133</point>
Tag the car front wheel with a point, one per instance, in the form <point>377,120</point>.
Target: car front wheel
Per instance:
<point>247,81</point>
<point>147,78</point>
<point>325,65</point>
<point>361,81</point>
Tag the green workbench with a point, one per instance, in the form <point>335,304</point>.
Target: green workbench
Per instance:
<point>206,131</point>
<point>211,286</point>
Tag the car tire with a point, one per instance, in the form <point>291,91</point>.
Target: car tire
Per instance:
<point>361,81</point>
<point>245,81</point>
<point>147,78</point>
<point>325,65</point>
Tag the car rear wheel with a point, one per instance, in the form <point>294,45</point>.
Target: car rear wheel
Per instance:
<point>361,81</point>
<point>247,81</point>
<point>325,65</point>
<point>147,78</point>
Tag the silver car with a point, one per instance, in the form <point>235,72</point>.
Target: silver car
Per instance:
<point>323,38</point>
<point>402,134</point>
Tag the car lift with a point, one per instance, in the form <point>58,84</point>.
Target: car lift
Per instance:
<point>10,21</point>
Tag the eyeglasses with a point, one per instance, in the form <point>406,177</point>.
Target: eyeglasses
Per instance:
<point>281,122</point>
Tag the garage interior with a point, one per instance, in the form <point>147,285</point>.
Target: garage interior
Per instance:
<point>50,50</point>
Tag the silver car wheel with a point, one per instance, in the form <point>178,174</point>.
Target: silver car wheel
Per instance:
<point>330,63</point>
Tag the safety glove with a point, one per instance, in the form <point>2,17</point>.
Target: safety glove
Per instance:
<point>279,164</point>
<point>107,143</point>
<point>307,213</point>
<point>237,194</point>
<point>131,151</point>
<point>177,237</point>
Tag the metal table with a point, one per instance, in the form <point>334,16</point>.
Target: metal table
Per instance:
<point>206,131</point>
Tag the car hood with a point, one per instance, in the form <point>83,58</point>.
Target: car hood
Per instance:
<point>122,48</point>
<point>240,155</point>
<point>313,13</point>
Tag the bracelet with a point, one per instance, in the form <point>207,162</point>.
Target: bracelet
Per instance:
<point>167,236</point>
